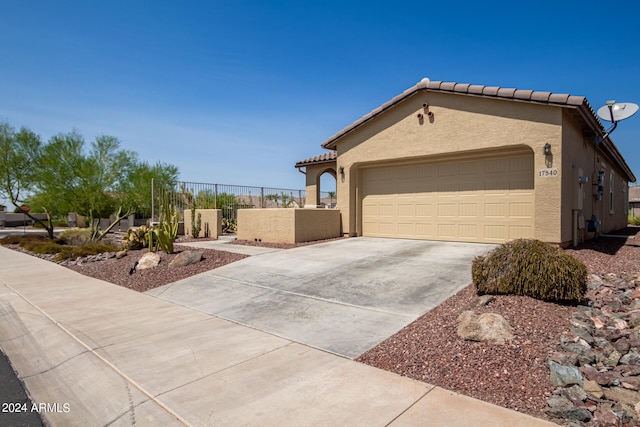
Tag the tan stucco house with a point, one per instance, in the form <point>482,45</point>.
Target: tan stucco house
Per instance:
<point>472,163</point>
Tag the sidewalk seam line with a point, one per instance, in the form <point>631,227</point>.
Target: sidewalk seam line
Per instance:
<point>226,368</point>
<point>105,361</point>
<point>410,406</point>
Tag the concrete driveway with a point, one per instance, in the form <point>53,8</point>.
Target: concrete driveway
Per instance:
<point>344,296</point>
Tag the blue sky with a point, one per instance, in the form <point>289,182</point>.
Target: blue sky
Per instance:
<point>236,92</point>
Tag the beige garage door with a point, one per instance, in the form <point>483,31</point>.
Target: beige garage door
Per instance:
<point>476,200</point>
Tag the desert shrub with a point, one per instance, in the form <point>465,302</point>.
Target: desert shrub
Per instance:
<point>76,236</point>
<point>49,247</point>
<point>23,239</point>
<point>634,220</point>
<point>31,244</point>
<point>71,252</point>
<point>532,268</point>
<point>10,240</point>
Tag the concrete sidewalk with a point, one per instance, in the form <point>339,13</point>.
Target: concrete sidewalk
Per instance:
<point>224,244</point>
<point>92,353</point>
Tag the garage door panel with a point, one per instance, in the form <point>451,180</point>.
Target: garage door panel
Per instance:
<point>406,210</point>
<point>447,169</point>
<point>495,210</point>
<point>406,229</point>
<point>496,166</point>
<point>424,210</point>
<point>521,210</point>
<point>522,163</point>
<point>496,233</point>
<point>447,231</point>
<point>468,210</point>
<point>447,210</point>
<point>477,200</point>
<point>424,230</point>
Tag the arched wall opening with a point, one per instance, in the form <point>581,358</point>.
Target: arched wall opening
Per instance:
<point>326,188</point>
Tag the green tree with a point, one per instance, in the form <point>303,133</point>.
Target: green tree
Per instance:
<point>136,188</point>
<point>71,179</point>
<point>228,203</point>
<point>20,153</point>
<point>206,199</point>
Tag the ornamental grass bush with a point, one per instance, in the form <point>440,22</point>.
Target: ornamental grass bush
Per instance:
<point>75,236</point>
<point>72,252</point>
<point>532,268</point>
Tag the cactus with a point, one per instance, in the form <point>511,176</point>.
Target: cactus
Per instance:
<point>136,238</point>
<point>167,229</point>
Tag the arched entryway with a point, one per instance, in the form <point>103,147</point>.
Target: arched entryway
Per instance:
<point>320,172</point>
<point>326,188</point>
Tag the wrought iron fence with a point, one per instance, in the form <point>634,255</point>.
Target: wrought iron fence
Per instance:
<point>229,198</point>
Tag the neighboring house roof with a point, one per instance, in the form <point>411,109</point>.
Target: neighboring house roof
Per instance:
<point>578,103</point>
<point>634,194</point>
<point>329,157</point>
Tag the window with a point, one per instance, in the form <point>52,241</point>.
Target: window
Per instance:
<point>611,210</point>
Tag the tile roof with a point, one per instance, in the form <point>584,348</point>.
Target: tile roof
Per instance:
<point>322,158</point>
<point>578,103</point>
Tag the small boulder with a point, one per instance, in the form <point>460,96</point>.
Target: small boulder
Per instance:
<point>592,388</point>
<point>186,258</point>
<point>619,394</point>
<point>606,417</point>
<point>562,376</point>
<point>148,260</point>
<point>558,405</point>
<point>577,414</point>
<point>564,358</point>
<point>576,394</point>
<point>488,327</point>
<point>631,358</point>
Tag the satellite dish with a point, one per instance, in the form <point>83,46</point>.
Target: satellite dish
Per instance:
<point>613,112</point>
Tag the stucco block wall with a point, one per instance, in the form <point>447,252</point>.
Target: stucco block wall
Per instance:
<point>461,125</point>
<point>285,225</point>
<point>211,221</point>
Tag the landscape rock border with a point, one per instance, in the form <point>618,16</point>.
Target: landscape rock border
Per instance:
<point>597,366</point>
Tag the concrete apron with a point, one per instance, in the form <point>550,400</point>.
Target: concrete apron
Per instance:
<point>97,354</point>
<point>343,296</point>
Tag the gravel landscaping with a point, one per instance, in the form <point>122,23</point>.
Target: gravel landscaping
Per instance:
<point>514,375</point>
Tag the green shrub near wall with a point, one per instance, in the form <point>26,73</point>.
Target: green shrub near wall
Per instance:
<point>532,268</point>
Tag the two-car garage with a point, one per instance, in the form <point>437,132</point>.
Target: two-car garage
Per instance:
<point>479,199</point>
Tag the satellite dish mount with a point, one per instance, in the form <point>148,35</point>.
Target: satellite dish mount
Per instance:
<point>614,112</point>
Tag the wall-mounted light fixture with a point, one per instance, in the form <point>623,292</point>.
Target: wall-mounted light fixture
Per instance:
<point>547,149</point>
<point>341,170</point>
